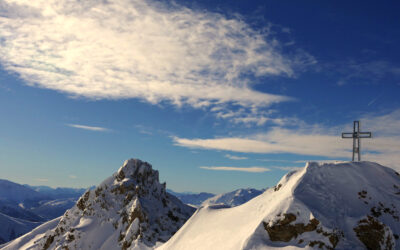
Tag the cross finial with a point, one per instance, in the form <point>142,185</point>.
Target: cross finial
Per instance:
<point>356,136</point>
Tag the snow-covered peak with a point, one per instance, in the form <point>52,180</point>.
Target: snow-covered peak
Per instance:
<point>128,210</point>
<point>137,169</point>
<point>346,205</point>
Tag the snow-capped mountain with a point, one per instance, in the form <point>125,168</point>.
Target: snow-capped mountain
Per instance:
<point>130,209</point>
<point>234,198</point>
<point>17,193</point>
<point>348,205</point>
<point>194,199</point>
<point>24,207</point>
<point>59,192</point>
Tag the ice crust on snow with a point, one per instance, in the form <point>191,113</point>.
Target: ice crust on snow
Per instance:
<point>129,210</point>
<point>330,205</point>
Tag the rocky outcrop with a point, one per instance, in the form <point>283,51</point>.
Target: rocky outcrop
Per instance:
<point>128,209</point>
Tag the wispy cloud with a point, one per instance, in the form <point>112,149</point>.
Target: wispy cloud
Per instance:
<point>148,50</point>
<point>277,140</point>
<point>235,157</point>
<point>315,140</point>
<point>144,130</point>
<point>72,176</point>
<point>91,128</point>
<point>241,169</point>
<point>353,71</point>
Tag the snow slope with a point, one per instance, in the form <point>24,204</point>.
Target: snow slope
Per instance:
<point>11,228</point>
<point>130,209</point>
<point>27,241</point>
<point>234,198</point>
<point>349,205</point>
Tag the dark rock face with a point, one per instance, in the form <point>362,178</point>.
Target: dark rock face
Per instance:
<point>374,234</point>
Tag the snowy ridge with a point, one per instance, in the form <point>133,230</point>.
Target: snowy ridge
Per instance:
<point>349,205</point>
<point>129,210</point>
<point>234,198</point>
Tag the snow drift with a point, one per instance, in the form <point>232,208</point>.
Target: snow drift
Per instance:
<point>349,205</point>
<point>130,209</point>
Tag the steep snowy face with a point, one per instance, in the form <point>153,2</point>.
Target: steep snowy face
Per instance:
<point>129,209</point>
<point>348,205</point>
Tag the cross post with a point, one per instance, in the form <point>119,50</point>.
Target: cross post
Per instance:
<point>356,136</point>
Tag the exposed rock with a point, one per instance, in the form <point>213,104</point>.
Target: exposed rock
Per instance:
<point>374,234</point>
<point>282,230</point>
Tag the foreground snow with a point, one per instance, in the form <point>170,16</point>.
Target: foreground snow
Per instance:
<point>29,240</point>
<point>11,227</point>
<point>342,205</point>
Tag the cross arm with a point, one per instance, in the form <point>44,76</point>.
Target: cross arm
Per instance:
<point>365,135</point>
<point>347,135</point>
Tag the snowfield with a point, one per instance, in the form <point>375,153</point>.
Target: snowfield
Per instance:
<point>346,205</point>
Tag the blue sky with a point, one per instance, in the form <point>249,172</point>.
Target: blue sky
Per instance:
<point>216,95</point>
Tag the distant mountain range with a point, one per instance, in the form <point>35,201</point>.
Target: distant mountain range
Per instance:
<point>194,199</point>
<point>24,207</point>
<point>234,198</point>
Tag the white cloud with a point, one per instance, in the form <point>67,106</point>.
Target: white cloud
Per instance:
<point>92,128</point>
<point>278,140</point>
<point>241,169</point>
<point>383,148</point>
<point>234,157</point>
<point>141,49</point>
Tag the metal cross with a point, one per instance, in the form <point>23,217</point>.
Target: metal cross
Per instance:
<point>356,135</point>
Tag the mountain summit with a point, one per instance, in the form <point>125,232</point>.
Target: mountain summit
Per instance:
<point>348,205</point>
<point>130,209</point>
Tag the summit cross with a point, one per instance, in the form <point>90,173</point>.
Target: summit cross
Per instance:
<point>356,136</point>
